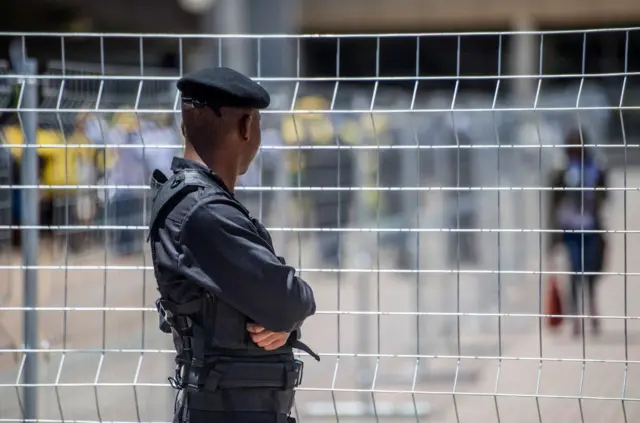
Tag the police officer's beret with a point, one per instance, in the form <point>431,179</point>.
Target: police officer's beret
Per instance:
<point>223,87</point>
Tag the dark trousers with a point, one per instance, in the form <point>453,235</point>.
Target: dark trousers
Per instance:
<point>331,211</point>
<point>331,208</point>
<point>186,414</point>
<point>585,255</point>
<point>125,209</point>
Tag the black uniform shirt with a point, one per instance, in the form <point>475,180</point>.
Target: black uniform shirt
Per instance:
<point>210,239</point>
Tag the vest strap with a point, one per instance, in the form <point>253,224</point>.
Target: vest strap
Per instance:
<point>170,189</point>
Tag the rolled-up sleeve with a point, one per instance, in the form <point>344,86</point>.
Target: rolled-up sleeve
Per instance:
<point>222,251</point>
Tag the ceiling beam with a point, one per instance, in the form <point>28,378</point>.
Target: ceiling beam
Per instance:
<point>142,16</point>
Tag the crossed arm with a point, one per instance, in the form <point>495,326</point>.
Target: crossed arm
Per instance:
<point>246,273</point>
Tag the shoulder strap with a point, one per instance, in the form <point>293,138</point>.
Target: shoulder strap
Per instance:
<point>168,189</point>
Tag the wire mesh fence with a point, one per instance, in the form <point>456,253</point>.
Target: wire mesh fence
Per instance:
<point>418,215</point>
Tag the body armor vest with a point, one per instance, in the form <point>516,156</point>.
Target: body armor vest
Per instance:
<point>215,354</point>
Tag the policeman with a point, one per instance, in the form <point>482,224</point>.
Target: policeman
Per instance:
<point>233,307</point>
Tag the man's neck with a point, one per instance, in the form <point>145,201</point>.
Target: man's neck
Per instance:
<point>217,166</point>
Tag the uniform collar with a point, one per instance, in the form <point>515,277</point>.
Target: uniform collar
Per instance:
<point>180,163</point>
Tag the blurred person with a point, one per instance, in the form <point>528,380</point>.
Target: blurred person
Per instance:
<point>234,308</point>
<point>165,140</point>
<point>56,167</point>
<point>9,122</point>
<point>322,167</point>
<point>464,245</point>
<point>573,210</point>
<point>82,207</point>
<point>125,205</point>
<point>392,204</point>
<point>9,175</point>
<point>96,129</point>
<point>133,167</point>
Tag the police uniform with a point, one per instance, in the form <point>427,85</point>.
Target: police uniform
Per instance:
<point>216,272</point>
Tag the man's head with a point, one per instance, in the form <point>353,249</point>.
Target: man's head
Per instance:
<point>575,142</point>
<point>221,117</point>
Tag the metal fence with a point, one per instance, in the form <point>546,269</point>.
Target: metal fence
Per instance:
<point>418,217</point>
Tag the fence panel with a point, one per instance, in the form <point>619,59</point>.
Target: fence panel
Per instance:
<point>417,214</point>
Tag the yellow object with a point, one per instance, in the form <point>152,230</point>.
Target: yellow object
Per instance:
<point>312,102</point>
<point>101,158</point>
<point>126,119</point>
<point>313,128</point>
<point>318,129</point>
<point>371,197</point>
<point>59,165</point>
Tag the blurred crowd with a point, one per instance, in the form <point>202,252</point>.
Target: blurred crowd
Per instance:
<point>111,159</point>
<point>123,149</point>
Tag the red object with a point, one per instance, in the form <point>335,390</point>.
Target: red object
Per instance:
<point>553,304</point>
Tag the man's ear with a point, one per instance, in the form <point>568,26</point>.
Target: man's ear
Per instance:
<point>184,131</point>
<point>245,126</point>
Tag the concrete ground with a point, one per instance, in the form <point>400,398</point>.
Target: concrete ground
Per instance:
<point>103,376</point>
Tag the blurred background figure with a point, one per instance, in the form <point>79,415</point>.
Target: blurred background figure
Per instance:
<point>576,207</point>
<point>463,249</point>
<point>124,205</point>
<point>394,202</point>
<point>330,168</point>
<point>159,132</point>
<point>133,166</point>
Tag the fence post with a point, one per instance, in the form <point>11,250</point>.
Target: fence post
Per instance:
<point>409,160</point>
<point>364,260</point>
<point>30,219</point>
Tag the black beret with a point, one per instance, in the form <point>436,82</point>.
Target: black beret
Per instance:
<point>223,87</point>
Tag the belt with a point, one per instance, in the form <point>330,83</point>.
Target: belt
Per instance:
<point>304,347</point>
<point>236,375</point>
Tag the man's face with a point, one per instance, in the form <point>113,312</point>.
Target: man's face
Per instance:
<point>251,136</point>
<point>574,146</point>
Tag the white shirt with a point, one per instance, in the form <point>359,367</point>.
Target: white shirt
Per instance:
<point>134,165</point>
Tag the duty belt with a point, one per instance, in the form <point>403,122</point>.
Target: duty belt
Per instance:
<point>230,374</point>
<point>226,383</point>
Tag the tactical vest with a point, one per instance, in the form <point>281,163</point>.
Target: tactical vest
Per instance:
<point>215,354</point>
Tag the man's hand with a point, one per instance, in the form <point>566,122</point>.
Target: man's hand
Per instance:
<point>265,338</point>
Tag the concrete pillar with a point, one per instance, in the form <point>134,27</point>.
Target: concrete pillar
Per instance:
<point>278,56</point>
<point>523,59</point>
<point>224,17</point>
<point>232,17</point>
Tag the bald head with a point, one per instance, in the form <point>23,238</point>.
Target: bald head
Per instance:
<point>230,134</point>
<point>575,140</point>
<point>205,130</point>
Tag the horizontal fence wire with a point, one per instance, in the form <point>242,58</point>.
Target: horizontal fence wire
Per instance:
<point>422,205</point>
